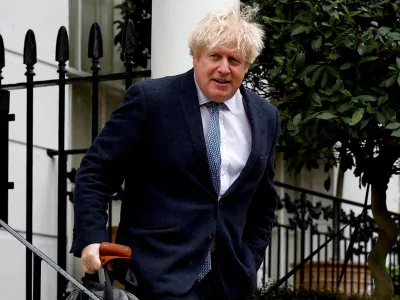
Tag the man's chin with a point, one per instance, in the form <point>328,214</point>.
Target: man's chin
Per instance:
<point>220,97</point>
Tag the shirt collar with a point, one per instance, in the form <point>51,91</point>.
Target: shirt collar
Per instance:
<point>231,104</point>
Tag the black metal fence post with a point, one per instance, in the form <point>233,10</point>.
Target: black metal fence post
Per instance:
<point>62,56</point>
<point>128,47</point>
<point>4,119</point>
<point>4,152</point>
<point>303,235</point>
<point>37,276</point>
<point>95,52</point>
<point>30,59</point>
<point>4,185</point>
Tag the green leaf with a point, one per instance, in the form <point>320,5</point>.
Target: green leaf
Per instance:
<point>308,70</point>
<point>383,99</point>
<point>326,116</point>
<point>333,71</point>
<point>390,81</point>
<point>398,78</point>
<point>324,79</point>
<point>318,43</point>
<point>346,66</point>
<point>393,125</point>
<point>345,107</point>
<point>395,36</point>
<point>309,117</point>
<point>367,58</point>
<point>279,59</point>
<point>398,62</point>
<point>299,29</point>
<point>361,49</point>
<point>316,75</point>
<point>296,119</point>
<point>396,133</point>
<point>333,56</point>
<point>328,33</point>
<point>364,123</point>
<point>357,116</point>
<point>383,30</point>
<point>366,98</point>
<point>300,59</point>
<point>380,118</point>
<point>274,72</point>
<point>316,98</point>
<point>293,95</point>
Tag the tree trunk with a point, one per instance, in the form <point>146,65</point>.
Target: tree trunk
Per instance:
<point>387,237</point>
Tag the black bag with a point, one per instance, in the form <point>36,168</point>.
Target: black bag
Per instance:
<point>105,291</point>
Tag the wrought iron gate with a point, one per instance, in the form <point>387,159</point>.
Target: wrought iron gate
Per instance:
<point>95,53</point>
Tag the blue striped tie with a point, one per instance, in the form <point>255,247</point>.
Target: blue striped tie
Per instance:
<point>213,141</point>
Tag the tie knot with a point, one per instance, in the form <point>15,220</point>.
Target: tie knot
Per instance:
<point>215,105</point>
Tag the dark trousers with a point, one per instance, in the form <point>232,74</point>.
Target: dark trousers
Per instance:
<point>209,288</point>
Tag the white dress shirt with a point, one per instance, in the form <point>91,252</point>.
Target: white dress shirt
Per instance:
<point>235,136</point>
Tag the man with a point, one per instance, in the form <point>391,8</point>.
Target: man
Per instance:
<point>196,152</point>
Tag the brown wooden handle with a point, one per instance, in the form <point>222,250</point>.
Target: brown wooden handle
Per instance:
<point>110,251</point>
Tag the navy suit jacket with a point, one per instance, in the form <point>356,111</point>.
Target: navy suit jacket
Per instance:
<point>154,141</point>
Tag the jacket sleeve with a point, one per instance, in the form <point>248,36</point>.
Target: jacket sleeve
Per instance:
<point>101,172</point>
<point>261,213</point>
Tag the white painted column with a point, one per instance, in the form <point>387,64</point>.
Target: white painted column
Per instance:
<point>172,23</point>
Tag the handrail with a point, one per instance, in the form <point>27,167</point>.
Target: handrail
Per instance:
<point>318,194</point>
<point>51,263</point>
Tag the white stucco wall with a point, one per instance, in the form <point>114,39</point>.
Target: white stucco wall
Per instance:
<point>44,17</point>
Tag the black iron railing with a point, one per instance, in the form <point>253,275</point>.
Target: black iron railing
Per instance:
<point>38,257</point>
<point>95,53</point>
<point>302,251</point>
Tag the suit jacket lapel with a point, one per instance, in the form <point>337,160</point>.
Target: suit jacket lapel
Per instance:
<point>191,110</point>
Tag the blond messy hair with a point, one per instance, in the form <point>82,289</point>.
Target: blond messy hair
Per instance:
<point>232,26</point>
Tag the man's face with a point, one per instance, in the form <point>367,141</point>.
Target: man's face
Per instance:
<point>219,72</point>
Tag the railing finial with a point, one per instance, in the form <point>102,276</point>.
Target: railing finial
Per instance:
<point>30,55</point>
<point>95,49</point>
<point>62,45</point>
<point>129,42</point>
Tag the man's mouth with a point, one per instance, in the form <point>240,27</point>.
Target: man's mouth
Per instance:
<point>221,81</point>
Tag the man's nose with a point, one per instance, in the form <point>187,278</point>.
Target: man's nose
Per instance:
<point>224,66</point>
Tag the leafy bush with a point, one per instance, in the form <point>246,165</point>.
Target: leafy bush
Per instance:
<point>333,69</point>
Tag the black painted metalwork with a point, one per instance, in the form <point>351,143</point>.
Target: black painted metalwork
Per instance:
<point>5,118</point>
<point>2,57</point>
<point>128,48</point>
<point>33,250</point>
<point>53,153</point>
<point>37,276</point>
<point>327,268</point>
<point>4,184</point>
<point>62,56</point>
<point>85,79</point>
<point>95,52</point>
<point>30,59</point>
